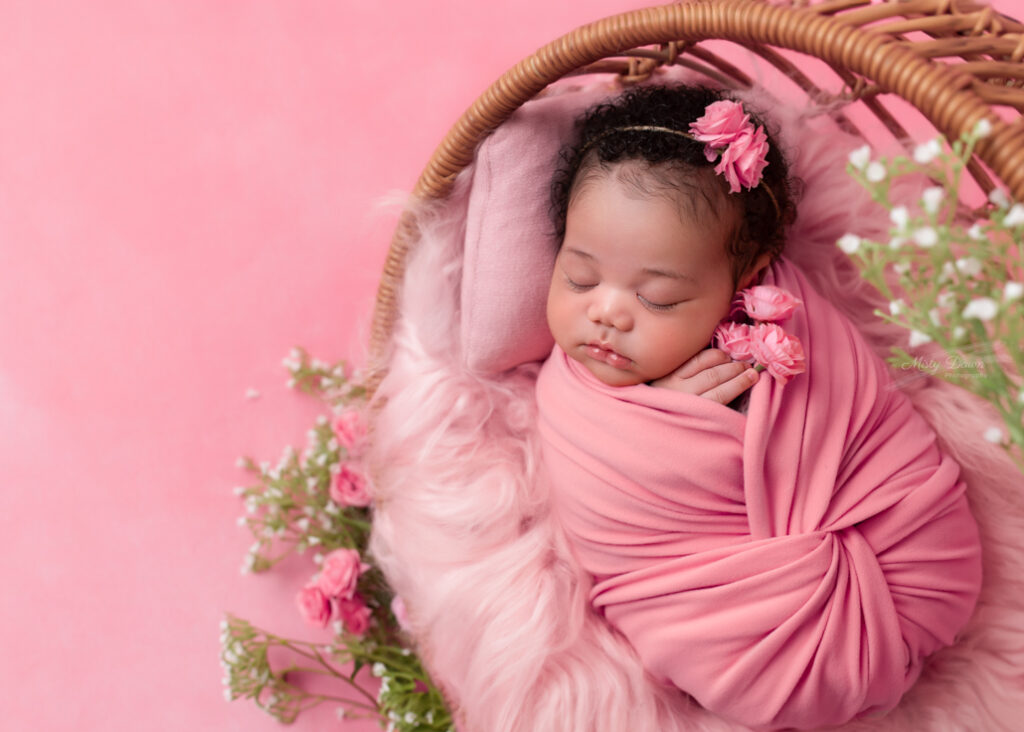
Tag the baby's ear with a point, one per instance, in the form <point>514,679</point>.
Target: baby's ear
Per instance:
<point>753,274</point>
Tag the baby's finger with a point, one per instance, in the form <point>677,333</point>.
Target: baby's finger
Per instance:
<point>732,388</point>
<point>704,360</point>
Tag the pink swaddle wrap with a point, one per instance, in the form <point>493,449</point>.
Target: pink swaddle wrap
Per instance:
<point>790,567</point>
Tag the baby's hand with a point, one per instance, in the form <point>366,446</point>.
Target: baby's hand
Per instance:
<point>711,374</point>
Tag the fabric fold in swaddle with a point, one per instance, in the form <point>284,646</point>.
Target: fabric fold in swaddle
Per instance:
<point>790,567</point>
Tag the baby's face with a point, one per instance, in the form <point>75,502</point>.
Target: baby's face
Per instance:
<point>636,291</point>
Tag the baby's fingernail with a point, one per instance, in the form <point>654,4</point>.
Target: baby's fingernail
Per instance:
<point>752,374</point>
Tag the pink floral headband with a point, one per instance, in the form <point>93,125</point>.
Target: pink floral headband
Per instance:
<point>728,136</point>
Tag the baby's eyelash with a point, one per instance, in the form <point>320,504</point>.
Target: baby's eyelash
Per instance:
<point>576,285</point>
<point>654,306</point>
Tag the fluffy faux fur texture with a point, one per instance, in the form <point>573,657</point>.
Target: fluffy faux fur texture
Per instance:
<point>498,608</point>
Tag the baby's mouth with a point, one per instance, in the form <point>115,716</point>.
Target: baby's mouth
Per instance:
<point>602,353</point>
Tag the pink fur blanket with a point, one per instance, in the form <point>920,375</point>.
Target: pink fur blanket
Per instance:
<point>790,567</point>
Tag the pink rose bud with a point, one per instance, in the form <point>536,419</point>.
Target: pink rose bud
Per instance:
<point>348,488</point>
<point>734,339</point>
<point>340,572</point>
<point>781,354</point>
<point>722,123</point>
<point>313,605</point>
<point>769,303</point>
<point>353,613</point>
<point>400,612</point>
<point>350,431</point>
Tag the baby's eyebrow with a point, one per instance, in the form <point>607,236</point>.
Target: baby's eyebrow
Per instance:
<point>669,273</point>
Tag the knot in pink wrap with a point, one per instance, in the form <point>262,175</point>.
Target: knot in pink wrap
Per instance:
<point>788,568</point>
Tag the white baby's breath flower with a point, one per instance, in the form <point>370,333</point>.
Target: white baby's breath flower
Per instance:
<point>896,307</point>
<point>933,315</point>
<point>999,198</point>
<point>931,199</point>
<point>975,232</point>
<point>241,463</point>
<point>290,383</point>
<point>917,338</point>
<point>335,468</point>
<point>994,435</point>
<point>410,718</point>
<point>318,558</point>
<point>340,712</point>
<point>901,268</point>
<point>295,353</point>
<point>321,420</point>
<point>899,217</point>
<point>338,627</point>
<point>1020,397</point>
<point>959,332</point>
<point>860,157</point>
<point>896,242</point>
<point>983,128</point>
<point>303,524</point>
<point>927,152</point>
<point>982,308</point>
<point>318,364</point>
<point>1015,217</point>
<point>238,490</point>
<point>875,173</point>
<point>926,237</point>
<point>1013,291</point>
<point>970,266</point>
<point>251,393</point>
<point>378,669</point>
<point>945,299</point>
<point>849,243</point>
<point>947,271</point>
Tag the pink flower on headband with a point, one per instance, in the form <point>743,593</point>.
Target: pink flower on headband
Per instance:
<point>722,123</point>
<point>726,127</point>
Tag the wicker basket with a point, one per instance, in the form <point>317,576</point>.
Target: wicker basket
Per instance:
<point>955,61</point>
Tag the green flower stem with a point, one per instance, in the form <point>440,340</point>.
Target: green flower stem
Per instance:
<point>330,670</point>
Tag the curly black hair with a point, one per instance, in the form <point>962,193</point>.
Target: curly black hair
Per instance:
<point>677,164</point>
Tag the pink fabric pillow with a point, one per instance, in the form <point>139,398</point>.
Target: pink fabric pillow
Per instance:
<point>510,243</point>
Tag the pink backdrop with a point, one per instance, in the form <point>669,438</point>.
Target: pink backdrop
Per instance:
<point>187,190</point>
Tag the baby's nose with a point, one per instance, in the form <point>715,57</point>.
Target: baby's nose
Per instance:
<point>611,309</point>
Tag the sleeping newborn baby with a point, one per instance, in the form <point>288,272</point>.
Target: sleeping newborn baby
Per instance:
<point>788,561</point>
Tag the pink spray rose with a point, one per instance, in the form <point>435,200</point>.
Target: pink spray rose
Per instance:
<point>744,160</point>
<point>781,354</point>
<point>313,605</point>
<point>734,339</point>
<point>766,302</point>
<point>721,124</point>
<point>340,573</point>
<point>727,128</point>
<point>350,431</point>
<point>348,488</point>
<point>353,613</point>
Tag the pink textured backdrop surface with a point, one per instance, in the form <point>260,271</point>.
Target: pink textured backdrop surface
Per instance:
<point>187,191</point>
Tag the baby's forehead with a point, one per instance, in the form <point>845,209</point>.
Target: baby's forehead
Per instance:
<point>697,193</point>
